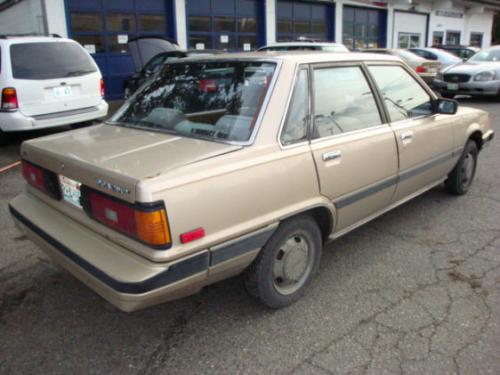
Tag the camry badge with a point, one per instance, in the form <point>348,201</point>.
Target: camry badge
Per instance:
<point>112,187</point>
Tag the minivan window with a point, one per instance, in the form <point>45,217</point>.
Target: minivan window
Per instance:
<point>49,60</point>
<point>403,95</point>
<point>343,101</point>
<point>214,100</point>
<point>295,128</point>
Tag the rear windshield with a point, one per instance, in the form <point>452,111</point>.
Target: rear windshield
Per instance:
<point>213,100</point>
<point>49,60</point>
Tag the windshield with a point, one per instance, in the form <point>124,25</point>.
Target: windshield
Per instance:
<point>49,60</point>
<point>213,100</point>
<point>488,55</point>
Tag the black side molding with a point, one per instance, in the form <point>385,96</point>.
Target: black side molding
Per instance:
<point>176,272</point>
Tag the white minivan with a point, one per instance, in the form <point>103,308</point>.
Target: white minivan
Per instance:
<point>47,81</point>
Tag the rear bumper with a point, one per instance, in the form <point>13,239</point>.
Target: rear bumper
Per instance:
<point>428,77</point>
<point>16,121</point>
<point>126,280</point>
<point>490,88</point>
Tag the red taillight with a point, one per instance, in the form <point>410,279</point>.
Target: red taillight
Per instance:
<point>147,224</point>
<point>420,69</point>
<point>33,175</point>
<point>193,235</point>
<point>208,85</point>
<point>9,99</point>
<point>42,179</point>
<point>102,87</point>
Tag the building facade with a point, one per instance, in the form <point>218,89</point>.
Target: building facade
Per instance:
<point>103,27</point>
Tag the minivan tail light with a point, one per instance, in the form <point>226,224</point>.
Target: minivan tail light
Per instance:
<point>41,179</point>
<point>102,87</point>
<point>420,69</point>
<point>9,99</point>
<point>145,223</point>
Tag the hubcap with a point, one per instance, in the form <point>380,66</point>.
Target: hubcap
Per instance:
<point>292,264</point>
<point>468,169</point>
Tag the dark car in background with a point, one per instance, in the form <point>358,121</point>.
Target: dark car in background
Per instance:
<point>464,52</point>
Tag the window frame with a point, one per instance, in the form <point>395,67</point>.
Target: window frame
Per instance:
<point>417,79</point>
<point>298,69</point>
<point>371,84</point>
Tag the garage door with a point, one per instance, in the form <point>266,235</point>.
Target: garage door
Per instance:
<point>410,30</point>
<point>295,19</point>
<point>364,27</point>
<point>103,27</point>
<point>230,25</point>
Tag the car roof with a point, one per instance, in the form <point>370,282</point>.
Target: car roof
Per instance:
<point>15,39</point>
<point>299,57</point>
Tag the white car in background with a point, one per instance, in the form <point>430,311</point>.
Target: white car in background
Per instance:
<point>47,81</point>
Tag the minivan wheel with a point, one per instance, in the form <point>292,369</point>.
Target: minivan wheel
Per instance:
<point>461,177</point>
<point>281,272</point>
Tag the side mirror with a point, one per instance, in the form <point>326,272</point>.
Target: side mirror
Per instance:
<point>446,106</point>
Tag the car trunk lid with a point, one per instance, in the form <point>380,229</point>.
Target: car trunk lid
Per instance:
<point>113,159</point>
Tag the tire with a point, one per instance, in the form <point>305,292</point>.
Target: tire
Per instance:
<point>461,177</point>
<point>281,272</point>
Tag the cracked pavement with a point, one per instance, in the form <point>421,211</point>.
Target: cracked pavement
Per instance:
<point>416,291</point>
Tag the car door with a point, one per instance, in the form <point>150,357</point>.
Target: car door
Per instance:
<point>353,147</point>
<point>424,138</point>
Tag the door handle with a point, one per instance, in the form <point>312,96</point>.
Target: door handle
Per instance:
<point>407,136</point>
<point>332,155</point>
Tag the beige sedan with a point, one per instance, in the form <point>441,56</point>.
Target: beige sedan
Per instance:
<point>242,163</point>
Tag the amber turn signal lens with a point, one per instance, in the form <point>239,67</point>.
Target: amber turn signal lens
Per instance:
<point>152,227</point>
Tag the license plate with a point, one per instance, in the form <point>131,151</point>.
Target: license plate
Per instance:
<point>70,190</point>
<point>62,91</point>
<point>432,70</point>
<point>452,86</point>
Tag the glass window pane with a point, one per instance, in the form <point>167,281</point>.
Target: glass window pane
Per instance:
<point>114,46</point>
<point>284,26</point>
<point>92,40</point>
<point>295,128</point>
<point>199,23</point>
<point>153,23</point>
<point>247,25</point>
<point>200,42</point>
<point>247,42</point>
<point>222,45</point>
<point>91,22</point>
<point>215,100</point>
<point>225,24</point>
<point>49,60</point>
<point>343,101</point>
<point>319,27</point>
<point>403,96</point>
<point>302,27</point>
<point>121,22</point>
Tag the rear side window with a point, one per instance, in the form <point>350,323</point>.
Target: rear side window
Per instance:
<point>49,60</point>
<point>343,101</point>
<point>295,128</point>
<point>403,96</point>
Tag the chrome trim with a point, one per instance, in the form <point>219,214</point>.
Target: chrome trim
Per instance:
<point>406,135</point>
<point>72,112</point>
<point>332,155</point>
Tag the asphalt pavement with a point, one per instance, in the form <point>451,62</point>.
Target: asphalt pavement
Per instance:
<point>416,291</point>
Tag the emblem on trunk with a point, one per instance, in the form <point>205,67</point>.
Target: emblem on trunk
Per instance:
<point>109,186</point>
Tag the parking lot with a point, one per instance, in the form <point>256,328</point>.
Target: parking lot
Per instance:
<point>416,291</point>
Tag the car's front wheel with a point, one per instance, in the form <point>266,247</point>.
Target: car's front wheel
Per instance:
<point>281,272</point>
<point>461,177</point>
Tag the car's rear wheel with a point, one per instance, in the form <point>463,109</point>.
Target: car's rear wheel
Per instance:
<point>281,272</point>
<point>461,177</point>
<point>3,138</point>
